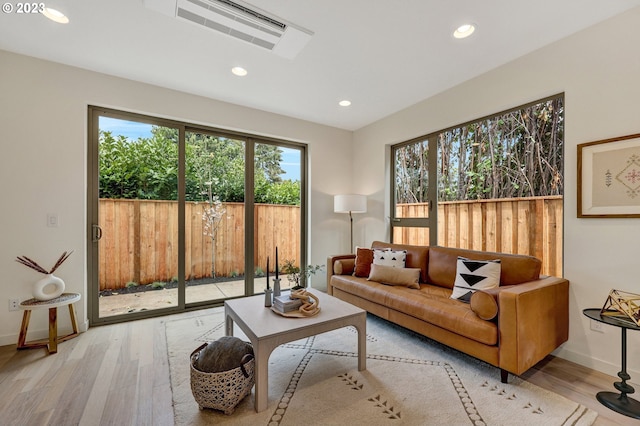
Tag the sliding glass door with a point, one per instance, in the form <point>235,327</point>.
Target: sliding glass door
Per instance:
<point>215,219</point>
<point>277,212</point>
<point>181,216</point>
<point>137,217</point>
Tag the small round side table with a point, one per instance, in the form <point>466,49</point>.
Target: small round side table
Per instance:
<point>52,342</point>
<point>620,403</point>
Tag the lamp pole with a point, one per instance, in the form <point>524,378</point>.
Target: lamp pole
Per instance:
<point>350,203</point>
<point>351,222</point>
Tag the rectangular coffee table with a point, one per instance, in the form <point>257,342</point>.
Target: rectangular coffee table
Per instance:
<point>268,330</point>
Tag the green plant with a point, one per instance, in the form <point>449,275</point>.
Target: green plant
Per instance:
<point>132,284</point>
<point>234,273</point>
<point>259,272</point>
<point>174,279</point>
<point>157,285</point>
<point>299,276</point>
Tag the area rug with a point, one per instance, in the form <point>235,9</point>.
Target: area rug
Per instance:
<point>409,380</point>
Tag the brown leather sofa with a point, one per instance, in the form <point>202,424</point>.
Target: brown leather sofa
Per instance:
<point>511,327</point>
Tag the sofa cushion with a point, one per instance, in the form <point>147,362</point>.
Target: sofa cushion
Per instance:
<point>516,268</point>
<point>364,259</point>
<point>417,256</point>
<point>485,304</point>
<point>394,258</point>
<point>473,275</point>
<point>407,277</point>
<point>344,266</point>
<point>431,304</point>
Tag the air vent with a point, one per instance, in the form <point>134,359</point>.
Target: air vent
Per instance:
<point>238,20</point>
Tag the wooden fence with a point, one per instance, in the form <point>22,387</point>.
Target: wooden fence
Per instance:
<point>140,237</point>
<point>140,240</point>
<point>517,225</point>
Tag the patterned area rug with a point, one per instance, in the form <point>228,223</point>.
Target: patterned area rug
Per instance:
<point>410,380</point>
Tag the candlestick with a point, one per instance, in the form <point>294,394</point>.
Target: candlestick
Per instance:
<point>276,287</point>
<point>267,297</point>
<point>277,265</point>
<point>267,272</point>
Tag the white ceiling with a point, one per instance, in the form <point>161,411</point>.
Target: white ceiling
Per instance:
<point>382,55</point>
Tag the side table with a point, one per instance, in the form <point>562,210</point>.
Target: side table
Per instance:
<point>52,342</point>
<point>620,403</point>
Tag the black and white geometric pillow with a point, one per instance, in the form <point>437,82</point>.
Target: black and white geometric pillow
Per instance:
<point>395,258</point>
<point>472,275</point>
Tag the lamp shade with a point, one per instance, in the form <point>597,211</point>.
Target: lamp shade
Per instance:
<point>350,203</point>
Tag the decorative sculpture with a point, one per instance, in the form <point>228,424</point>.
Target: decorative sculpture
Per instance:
<point>622,306</point>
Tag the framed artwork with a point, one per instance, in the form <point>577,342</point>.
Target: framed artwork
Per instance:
<point>609,177</point>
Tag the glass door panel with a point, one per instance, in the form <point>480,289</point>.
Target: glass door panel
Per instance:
<point>214,217</point>
<point>137,216</point>
<point>277,182</point>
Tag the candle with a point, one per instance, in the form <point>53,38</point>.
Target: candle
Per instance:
<point>267,272</point>
<point>277,266</point>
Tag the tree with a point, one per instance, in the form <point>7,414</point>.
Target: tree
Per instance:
<point>143,169</point>
<point>212,217</point>
<point>147,168</point>
<point>517,154</point>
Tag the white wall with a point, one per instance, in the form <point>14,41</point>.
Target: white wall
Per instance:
<point>598,70</point>
<point>43,132</point>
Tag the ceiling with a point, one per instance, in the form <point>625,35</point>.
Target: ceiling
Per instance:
<point>383,56</point>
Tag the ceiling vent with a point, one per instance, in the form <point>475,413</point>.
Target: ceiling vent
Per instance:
<point>238,20</point>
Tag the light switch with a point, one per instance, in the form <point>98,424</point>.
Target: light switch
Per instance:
<point>52,220</point>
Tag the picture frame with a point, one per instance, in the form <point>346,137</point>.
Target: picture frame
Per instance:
<point>609,178</point>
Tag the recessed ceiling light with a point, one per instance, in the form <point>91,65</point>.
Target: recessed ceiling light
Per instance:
<point>464,31</point>
<point>239,71</point>
<point>344,103</point>
<point>55,15</point>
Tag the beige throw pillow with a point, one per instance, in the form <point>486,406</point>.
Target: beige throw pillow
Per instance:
<point>407,277</point>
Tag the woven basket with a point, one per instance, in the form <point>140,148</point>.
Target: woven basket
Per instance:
<point>222,391</point>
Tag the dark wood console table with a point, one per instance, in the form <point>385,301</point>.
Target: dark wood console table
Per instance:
<point>620,403</point>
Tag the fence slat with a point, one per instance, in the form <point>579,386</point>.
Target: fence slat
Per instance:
<point>140,237</point>
<point>140,240</point>
<point>530,226</point>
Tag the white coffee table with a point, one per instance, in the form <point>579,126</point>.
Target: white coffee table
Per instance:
<point>267,330</point>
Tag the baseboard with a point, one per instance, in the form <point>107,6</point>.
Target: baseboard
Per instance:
<point>595,363</point>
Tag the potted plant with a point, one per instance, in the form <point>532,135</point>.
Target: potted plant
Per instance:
<point>299,276</point>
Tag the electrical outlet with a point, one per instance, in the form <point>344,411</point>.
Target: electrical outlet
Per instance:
<point>14,304</point>
<point>597,326</point>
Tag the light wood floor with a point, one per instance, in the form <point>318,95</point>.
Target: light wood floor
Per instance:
<point>119,375</point>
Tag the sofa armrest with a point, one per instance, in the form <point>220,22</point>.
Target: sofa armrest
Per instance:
<point>533,320</point>
<point>330,267</point>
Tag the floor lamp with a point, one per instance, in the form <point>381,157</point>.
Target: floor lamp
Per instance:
<point>350,203</point>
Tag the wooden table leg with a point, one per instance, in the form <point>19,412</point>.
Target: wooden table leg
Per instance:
<point>53,330</point>
<point>74,322</point>
<point>26,316</point>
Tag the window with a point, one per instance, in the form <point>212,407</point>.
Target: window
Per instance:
<point>497,183</point>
